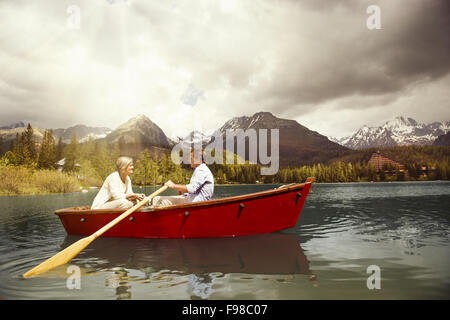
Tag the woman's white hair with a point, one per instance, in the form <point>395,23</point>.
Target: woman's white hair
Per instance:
<point>123,162</point>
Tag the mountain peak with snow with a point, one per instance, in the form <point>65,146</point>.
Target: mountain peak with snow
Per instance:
<point>398,131</point>
<point>13,126</point>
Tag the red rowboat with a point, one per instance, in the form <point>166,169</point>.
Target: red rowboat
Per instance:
<point>255,213</point>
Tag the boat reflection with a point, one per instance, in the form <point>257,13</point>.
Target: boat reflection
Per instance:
<point>267,254</point>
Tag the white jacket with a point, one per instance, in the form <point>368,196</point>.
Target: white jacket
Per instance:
<point>112,189</point>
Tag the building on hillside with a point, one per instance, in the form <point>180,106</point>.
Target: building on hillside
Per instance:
<point>60,164</point>
<point>380,162</point>
<point>426,170</point>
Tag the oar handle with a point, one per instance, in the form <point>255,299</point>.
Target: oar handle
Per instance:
<point>154,194</point>
<point>99,232</point>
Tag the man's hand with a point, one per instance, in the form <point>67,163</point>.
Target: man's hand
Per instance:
<point>179,187</point>
<point>170,184</point>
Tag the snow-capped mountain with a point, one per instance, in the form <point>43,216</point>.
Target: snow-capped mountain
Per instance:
<point>13,126</point>
<point>297,144</point>
<point>194,137</point>
<point>341,141</point>
<point>8,135</point>
<point>83,133</point>
<point>397,132</point>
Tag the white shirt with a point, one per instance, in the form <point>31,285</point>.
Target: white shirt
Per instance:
<point>201,185</point>
<point>112,189</point>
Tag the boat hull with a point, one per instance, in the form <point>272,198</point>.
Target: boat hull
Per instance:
<point>258,213</point>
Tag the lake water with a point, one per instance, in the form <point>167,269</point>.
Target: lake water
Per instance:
<point>400,231</point>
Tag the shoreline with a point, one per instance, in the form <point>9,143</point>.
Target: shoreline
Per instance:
<point>86,190</point>
<point>268,184</point>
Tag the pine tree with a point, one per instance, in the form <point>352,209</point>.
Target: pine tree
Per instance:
<point>87,149</point>
<point>340,172</point>
<point>24,148</point>
<point>350,172</point>
<point>444,171</point>
<point>115,152</point>
<point>372,173</point>
<point>59,149</point>
<point>71,153</point>
<point>16,148</point>
<point>164,167</point>
<point>42,163</point>
<point>155,170</point>
<point>9,159</point>
<point>29,142</point>
<point>29,147</point>
<point>102,161</point>
<point>47,153</point>
<point>142,169</point>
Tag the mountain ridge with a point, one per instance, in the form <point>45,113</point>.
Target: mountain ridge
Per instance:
<point>442,140</point>
<point>297,144</point>
<point>396,132</point>
<point>13,126</point>
<point>137,134</point>
<point>82,132</point>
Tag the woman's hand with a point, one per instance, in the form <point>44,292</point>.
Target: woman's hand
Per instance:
<point>135,196</point>
<point>140,196</point>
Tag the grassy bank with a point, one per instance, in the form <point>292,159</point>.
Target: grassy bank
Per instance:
<point>22,180</point>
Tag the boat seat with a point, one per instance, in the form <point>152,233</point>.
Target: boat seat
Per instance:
<point>286,185</point>
<point>82,208</point>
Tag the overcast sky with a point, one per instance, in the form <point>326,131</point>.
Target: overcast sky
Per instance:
<point>314,61</point>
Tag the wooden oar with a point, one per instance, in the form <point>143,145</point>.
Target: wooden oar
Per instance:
<point>71,251</point>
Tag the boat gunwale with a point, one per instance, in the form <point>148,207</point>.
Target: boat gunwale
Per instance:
<point>208,203</point>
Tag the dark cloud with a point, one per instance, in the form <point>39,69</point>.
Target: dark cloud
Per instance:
<point>292,58</point>
<point>412,46</point>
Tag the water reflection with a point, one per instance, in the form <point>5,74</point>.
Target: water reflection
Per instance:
<point>117,281</point>
<point>201,260</point>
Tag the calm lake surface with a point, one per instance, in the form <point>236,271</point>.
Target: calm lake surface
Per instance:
<point>400,228</point>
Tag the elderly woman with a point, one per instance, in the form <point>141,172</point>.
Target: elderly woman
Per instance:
<point>116,191</point>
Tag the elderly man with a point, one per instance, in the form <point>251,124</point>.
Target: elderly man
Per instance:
<point>200,187</point>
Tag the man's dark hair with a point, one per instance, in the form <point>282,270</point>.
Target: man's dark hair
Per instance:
<point>202,152</point>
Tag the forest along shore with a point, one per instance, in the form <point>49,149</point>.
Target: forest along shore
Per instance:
<point>49,167</point>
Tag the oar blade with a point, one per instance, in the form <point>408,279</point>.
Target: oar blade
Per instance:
<point>67,254</point>
<point>61,257</point>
